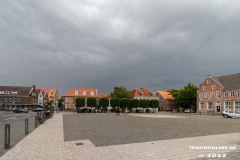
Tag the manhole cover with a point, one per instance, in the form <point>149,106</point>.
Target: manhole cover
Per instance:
<point>78,144</point>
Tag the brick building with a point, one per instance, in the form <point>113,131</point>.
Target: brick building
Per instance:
<point>142,93</point>
<point>217,94</point>
<point>166,101</point>
<point>18,97</point>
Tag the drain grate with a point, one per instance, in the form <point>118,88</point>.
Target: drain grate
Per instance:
<point>79,144</point>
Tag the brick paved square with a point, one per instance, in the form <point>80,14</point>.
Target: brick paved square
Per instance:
<point>104,130</point>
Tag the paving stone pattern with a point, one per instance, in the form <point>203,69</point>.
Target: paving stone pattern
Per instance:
<point>17,132</point>
<point>104,130</point>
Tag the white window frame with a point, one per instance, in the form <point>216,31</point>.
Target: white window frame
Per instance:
<point>19,99</point>
<point>209,81</point>
<point>232,93</point>
<point>1,99</point>
<point>210,105</point>
<point>218,94</point>
<point>227,105</point>
<point>225,94</point>
<point>92,93</point>
<point>206,95</point>
<point>238,93</point>
<point>84,93</point>
<point>237,104</point>
<point>212,94</point>
<point>201,105</point>
<point>76,93</point>
<point>213,87</point>
<point>204,88</point>
<point>6,99</point>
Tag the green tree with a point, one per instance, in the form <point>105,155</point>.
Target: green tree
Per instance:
<point>115,102</point>
<point>135,103</point>
<point>80,102</point>
<point>91,102</point>
<point>120,92</point>
<point>125,102</point>
<point>60,101</point>
<point>154,103</point>
<point>144,103</point>
<point>103,102</point>
<point>186,97</point>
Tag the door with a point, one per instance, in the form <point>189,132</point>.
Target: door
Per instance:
<point>218,109</point>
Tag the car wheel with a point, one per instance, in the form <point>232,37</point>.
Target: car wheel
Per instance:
<point>225,116</point>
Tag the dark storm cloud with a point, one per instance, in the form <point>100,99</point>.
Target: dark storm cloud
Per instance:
<point>153,44</point>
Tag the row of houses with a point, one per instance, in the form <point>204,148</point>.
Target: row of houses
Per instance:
<point>165,99</point>
<point>26,97</point>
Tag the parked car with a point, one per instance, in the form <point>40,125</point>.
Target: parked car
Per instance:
<point>19,110</point>
<point>224,113</point>
<point>38,109</point>
<point>232,114</point>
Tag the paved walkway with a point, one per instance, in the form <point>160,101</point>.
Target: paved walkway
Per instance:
<point>47,143</point>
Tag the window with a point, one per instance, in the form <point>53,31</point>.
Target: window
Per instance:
<point>19,99</point>
<point>201,106</point>
<point>225,94</point>
<point>232,93</point>
<point>227,105</point>
<point>6,99</point>
<point>238,93</point>
<point>0,99</point>
<point>213,87</point>
<point>140,94</point>
<point>84,93</point>
<point>212,95</point>
<point>206,95</point>
<point>204,88</point>
<point>92,93</point>
<point>200,96</point>
<point>237,105</point>
<point>210,105</point>
<point>218,94</point>
<point>76,93</point>
<point>15,99</point>
<point>10,99</point>
<point>209,81</point>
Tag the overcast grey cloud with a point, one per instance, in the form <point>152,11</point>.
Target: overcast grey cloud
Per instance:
<point>155,44</point>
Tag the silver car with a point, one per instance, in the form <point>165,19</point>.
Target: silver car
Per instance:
<point>233,114</point>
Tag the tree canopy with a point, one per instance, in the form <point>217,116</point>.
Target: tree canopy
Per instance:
<point>186,97</point>
<point>120,92</point>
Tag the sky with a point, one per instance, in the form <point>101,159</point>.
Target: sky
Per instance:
<point>154,44</point>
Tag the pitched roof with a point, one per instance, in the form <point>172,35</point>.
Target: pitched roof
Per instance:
<point>101,95</point>
<point>229,81</point>
<point>145,92</point>
<point>20,90</point>
<point>80,92</point>
<point>48,90</point>
<point>165,94</point>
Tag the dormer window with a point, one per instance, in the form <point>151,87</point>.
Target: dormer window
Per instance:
<point>204,88</point>
<point>140,94</point>
<point>76,93</point>
<point>92,93</point>
<point>84,93</point>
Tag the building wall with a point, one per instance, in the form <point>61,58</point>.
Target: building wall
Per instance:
<point>210,103</point>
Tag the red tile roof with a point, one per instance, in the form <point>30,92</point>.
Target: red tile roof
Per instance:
<point>145,93</point>
<point>165,94</point>
<point>80,92</point>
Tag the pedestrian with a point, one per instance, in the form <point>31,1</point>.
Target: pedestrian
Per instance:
<point>126,111</point>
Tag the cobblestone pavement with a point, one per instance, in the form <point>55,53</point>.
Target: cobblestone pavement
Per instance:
<point>104,129</point>
<point>47,143</point>
<point>17,132</point>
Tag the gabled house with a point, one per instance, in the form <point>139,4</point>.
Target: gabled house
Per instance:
<point>217,94</point>
<point>40,95</point>
<point>18,97</point>
<point>70,97</point>
<point>142,93</point>
<point>52,93</point>
<point>166,101</point>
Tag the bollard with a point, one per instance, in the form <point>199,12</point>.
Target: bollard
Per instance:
<point>7,136</point>
<point>35,121</point>
<point>26,126</point>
